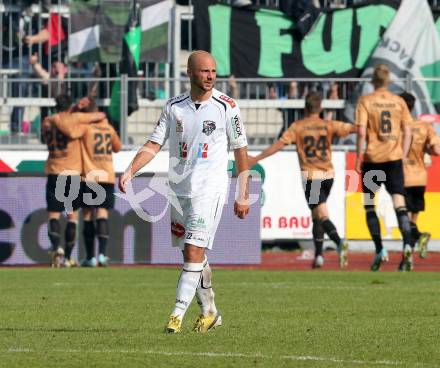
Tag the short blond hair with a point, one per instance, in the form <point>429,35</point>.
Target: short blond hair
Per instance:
<point>381,76</point>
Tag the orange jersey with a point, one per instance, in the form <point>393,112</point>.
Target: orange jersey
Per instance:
<point>384,115</point>
<point>98,142</point>
<point>64,151</point>
<point>313,137</point>
<point>423,138</point>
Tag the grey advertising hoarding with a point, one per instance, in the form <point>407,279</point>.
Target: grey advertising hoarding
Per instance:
<point>24,240</point>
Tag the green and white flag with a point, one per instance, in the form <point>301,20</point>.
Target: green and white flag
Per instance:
<point>98,28</point>
<point>411,46</point>
<point>155,21</point>
<point>129,66</point>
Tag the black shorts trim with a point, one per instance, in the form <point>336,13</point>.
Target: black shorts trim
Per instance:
<point>317,191</point>
<point>53,204</point>
<point>415,199</point>
<point>89,189</point>
<point>388,173</point>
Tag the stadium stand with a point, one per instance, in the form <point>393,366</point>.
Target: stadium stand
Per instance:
<point>23,94</point>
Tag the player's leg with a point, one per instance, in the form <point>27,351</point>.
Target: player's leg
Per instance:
<point>209,317</point>
<point>321,212</point>
<point>318,239</point>
<point>54,208</point>
<point>394,186</point>
<point>89,232</point>
<point>102,223</point>
<point>312,189</point>
<point>415,232</point>
<point>70,237</point>
<point>410,199</point>
<point>204,292</point>
<point>373,226</point>
<point>191,227</point>
<point>102,232</point>
<point>370,185</point>
<point>72,221</point>
<point>179,212</point>
<point>406,263</point>
<point>189,279</point>
<point>423,238</point>
<point>56,252</point>
<point>415,203</point>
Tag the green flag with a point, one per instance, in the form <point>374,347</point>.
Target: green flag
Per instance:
<point>131,49</point>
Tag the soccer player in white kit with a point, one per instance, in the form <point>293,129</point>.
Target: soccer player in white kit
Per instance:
<point>199,125</point>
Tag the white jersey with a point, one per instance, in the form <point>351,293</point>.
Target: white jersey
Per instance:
<point>198,142</point>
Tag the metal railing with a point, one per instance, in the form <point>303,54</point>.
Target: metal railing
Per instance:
<point>268,106</point>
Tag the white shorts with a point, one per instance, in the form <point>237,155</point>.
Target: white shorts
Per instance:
<point>197,221</point>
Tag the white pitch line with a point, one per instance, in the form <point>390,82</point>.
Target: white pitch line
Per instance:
<point>336,360</point>
<point>213,354</point>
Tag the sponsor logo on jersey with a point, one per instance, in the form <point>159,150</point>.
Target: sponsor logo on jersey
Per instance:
<point>177,229</point>
<point>179,126</point>
<point>203,150</point>
<point>236,127</point>
<point>183,150</point>
<point>229,100</point>
<point>208,127</point>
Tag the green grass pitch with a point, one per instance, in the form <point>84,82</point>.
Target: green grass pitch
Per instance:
<point>115,318</point>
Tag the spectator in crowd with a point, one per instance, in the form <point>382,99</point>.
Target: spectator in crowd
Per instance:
<point>233,87</point>
<point>52,81</point>
<point>53,36</point>
<point>332,94</point>
<point>14,56</point>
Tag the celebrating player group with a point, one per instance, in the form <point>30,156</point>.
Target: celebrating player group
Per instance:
<point>389,150</point>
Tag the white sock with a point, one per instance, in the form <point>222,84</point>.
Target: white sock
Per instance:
<point>204,293</point>
<point>186,287</point>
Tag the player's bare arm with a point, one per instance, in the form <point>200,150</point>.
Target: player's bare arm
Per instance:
<point>360,144</point>
<point>148,151</point>
<point>269,151</point>
<point>407,136</point>
<point>73,124</point>
<point>90,117</point>
<point>434,150</point>
<point>241,205</point>
<point>116,143</point>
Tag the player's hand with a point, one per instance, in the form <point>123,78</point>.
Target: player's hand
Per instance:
<point>123,180</point>
<point>241,209</point>
<point>252,161</point>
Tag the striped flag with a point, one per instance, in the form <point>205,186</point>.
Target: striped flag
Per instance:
<point>155,20</point>
<point>129,65</point>
<point>411,46</point>
<point>98,28</point>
